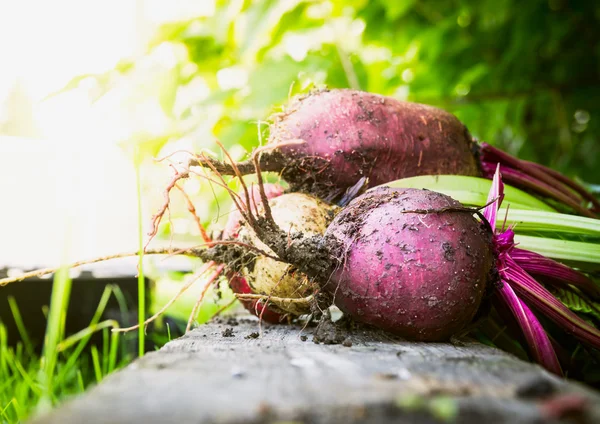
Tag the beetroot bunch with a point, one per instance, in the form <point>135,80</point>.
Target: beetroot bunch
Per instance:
<point>413,262</point>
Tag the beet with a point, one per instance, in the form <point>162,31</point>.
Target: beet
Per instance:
<point>419,275</point>
<point>294,213</point>
<point>418,264</point>
<point>348,135</point>
<point>351,134</point>
<point>238,283</point>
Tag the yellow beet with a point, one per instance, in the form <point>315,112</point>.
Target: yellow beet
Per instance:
<point>293,212</point>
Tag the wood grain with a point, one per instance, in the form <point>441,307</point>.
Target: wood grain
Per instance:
<point>222,373</point>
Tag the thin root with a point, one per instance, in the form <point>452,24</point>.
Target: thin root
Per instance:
<point>211,279</point>
<point>156,218</point>
<point>261,189</point>
<point>170,155</point>
<point>162,310</point>
<point>288,300</point>
<point>255,159</point>
<point>220,311</point>
<point>234,196</point>
<point>46,271</point>
<point>240,177</point>
<point>222,183</point>
<point>192,210</point>
<point>250,247</point>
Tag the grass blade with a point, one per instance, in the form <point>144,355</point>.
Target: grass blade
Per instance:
<point>59,301</point>
<point>83,336</point>
<point>141,279</point>
<point>16,313</point>
<point>96,364</point>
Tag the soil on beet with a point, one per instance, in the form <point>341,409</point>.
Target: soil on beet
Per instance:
<point>351,134</point>
<point>420,283</point>
<point>297,218</point>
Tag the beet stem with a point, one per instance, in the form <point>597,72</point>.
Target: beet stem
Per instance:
<point>519,178</point>
<point>567,181</point>
<point>562,275</point>
<point>533,292</point>
<point>523,166</point>
<point>536,178</point>
<point>539,344</point>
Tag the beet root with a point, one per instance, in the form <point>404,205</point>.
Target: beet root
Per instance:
<point>421,275</point>
<point>350,134</point>
<point>294,213</point>
<point>325,142</point>
<point>237,282</point>
<point>239,285</point>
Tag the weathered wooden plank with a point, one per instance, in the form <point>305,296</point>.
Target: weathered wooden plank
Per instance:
<point>223,373</point>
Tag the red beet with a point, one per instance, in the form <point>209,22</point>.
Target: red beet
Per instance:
<point>348,135</point>
<point>351,134</point>
<point>419,275</point>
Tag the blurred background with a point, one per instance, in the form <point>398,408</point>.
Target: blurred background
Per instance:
<point>83,83</point>
<point>90,89</point>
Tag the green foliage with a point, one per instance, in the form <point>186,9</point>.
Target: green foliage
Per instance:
<point>577,303</point>
<point>520,75</point>
<point>523,76</point>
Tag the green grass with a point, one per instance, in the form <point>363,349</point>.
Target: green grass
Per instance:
<point>32,383</point>
<point>141,281</point>
<point>59,301</point>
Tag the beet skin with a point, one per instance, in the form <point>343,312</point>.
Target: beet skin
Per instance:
<point>419,275</point>
<point>238,283</point>
<point>350,134</point>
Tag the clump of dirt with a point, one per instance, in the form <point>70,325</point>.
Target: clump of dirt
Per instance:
<point>232,321</point>
<point>537,388</point>
<point>228,332</point>
<point>253,335</point>
<point>329,332</point>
